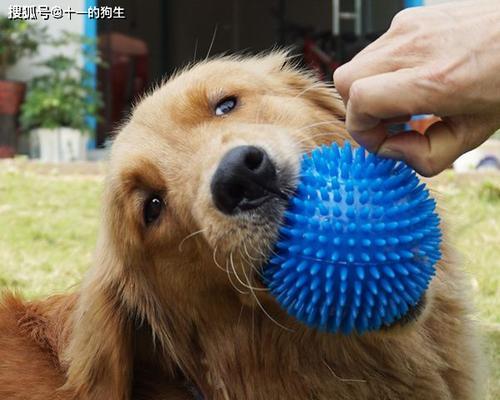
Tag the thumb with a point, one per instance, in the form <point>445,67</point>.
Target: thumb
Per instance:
<point>428,153</point>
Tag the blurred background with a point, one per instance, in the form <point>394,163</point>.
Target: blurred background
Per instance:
<point>70,72</point>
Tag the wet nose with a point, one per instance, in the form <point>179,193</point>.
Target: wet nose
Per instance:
<point>245,179</point>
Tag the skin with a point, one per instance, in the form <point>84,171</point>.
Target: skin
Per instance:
<point>442,60</point>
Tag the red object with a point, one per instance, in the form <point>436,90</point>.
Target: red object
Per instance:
<point>422,123</point>
<point>319,61</point>
<point>11,96</point>
<point>7,152</point>
<point>123,80</point>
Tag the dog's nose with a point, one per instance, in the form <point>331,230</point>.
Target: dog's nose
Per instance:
<point>245,179</point>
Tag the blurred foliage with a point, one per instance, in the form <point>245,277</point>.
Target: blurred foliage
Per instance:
<point>489,191</point>
<point>18,38</point>
<point>65,94</point>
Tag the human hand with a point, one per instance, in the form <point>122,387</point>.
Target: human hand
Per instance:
<point>442,60</point>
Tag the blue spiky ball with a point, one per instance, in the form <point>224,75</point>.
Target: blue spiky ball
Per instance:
<point>358,244</point>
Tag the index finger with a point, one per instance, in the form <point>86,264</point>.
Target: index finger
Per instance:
<point>377,98</point>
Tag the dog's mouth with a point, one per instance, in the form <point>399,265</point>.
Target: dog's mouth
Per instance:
<point>254,194</point>
<point>259,224</point>
<point>251,190</point>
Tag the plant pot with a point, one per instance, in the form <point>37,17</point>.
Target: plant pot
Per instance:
<point>58,145</point>
<point>11,98</point>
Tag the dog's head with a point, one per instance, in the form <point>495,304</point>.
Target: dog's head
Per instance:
<point>201,173</point>
<point>199,179</point>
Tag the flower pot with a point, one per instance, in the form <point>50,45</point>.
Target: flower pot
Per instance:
<point>59,145</point>
<point>11,97</point>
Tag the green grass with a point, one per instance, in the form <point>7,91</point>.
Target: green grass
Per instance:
<point>48,227</point>
<point>472,206</point>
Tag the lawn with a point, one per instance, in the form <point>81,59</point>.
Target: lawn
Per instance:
<point>49,220</point>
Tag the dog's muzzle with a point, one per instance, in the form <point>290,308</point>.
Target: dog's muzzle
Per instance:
<point>245,179</point>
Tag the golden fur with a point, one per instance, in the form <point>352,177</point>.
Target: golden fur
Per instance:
<point>177,305</point>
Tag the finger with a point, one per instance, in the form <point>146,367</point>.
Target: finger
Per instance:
<point>384,96</point>
<point>381,56</point>
<point>373,138</point>
<point>361,66</point>
<point>428,153</point>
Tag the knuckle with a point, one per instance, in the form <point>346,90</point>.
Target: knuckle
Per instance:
<point>442,81</point>
<point>414,45</point>
<point>402,19</point>
<point>412,20</point>
<point>357,96</point>
<point>341,79</point>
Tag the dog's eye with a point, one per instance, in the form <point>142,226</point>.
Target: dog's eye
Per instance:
<point>153,208</point>
<point>226,105</point>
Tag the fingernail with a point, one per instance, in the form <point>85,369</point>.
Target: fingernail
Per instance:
<point>387,152</point>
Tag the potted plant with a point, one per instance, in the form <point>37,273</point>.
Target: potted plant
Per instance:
<point>60,104</point>
<point>18,39</point>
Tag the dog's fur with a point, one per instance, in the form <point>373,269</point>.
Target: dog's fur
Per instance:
<point>177,307</point>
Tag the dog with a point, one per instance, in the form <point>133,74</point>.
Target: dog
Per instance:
<point>174,307</point>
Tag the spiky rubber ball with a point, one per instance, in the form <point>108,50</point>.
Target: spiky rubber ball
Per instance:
<point>358,243</point>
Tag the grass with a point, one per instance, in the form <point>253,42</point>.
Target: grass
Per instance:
<point>472,204</point>
<point>49,221</point>
<point>48,226</point>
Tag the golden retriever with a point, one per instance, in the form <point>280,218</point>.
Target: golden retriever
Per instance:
<point>173,307</point>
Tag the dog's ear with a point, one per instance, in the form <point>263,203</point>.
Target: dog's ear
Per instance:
<point>99,354</point>
<point>115,300</point>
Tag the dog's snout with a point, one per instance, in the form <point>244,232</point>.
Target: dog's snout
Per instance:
<point>245,178</point>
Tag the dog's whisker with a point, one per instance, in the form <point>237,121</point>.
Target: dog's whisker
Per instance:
<point>237,277</point>
<point>303,128</point>
<point>217,263</point>
<point>248,279</point>
<point>309,140</point>
<point>316,85</point>
<point>253,326</point>
<point>257,271</point>
<point>252,267</point>
<point>191,235</point>
<point>248,254</point>
<point>257,301</point>
<point>211,42</point>
<point>240,314</point>
<point>270,249</point>
<point>246,285</point>
<point>231,261</point>
<point>259,251</point>
<point>195,49</point>
<point>228,272</point>
<point>343,379</point>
